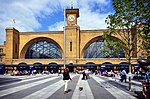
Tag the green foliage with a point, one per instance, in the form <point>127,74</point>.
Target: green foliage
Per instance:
<point>111,45</point>
<point>146,37</point>
<point>130,20</point>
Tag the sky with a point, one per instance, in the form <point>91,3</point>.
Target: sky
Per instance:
<point>48,15</point>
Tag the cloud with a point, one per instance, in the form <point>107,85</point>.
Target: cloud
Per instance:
<point>57,26</point>
<point>92,20</point>
<point>93,14</point>
<point>29,14</point>
<point>23,11</point>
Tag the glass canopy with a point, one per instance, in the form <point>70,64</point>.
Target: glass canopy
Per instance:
<point>43,50</point>
<point>96,50</point>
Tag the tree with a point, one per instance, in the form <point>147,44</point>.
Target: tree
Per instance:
<point>130,23</point>
<point>146,41</point>
<point>143,14</point>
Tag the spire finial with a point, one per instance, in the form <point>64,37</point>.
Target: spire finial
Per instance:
<point>71,4</point>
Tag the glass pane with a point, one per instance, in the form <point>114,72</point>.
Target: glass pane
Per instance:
<point>43,50</point>
<point>95,50</point>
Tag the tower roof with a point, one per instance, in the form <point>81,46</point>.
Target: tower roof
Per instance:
<point>72,11</point>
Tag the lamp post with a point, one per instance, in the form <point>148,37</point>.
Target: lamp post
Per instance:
<point>64,39</point>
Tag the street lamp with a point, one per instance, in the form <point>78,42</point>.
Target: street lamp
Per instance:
<point>64,39</point>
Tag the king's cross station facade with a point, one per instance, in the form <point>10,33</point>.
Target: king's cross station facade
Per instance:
<point>77,49</point>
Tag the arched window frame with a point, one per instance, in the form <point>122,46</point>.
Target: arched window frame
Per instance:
<point>95,50</point>
<point>43,49</point>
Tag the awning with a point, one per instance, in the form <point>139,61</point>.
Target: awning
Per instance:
<point>51,67</point>
<point>1,67</point>
<point>89,67</point>
<point>22,67</point>
<point>38,67</point>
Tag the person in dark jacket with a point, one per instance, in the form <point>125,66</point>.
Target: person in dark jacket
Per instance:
<point>66,78</point>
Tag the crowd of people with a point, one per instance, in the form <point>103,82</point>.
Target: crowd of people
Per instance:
<point>30,72</point>
<point>122,75</point>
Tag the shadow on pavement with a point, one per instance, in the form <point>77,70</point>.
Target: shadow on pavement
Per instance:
<point>4,81</point>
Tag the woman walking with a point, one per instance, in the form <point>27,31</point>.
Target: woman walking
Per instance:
<point>66,78</point>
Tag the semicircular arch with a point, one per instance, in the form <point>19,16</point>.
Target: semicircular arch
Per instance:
<point>106,63</point>
<point>35,40</point>
<point>37,64</point>
<point>90,63</point>
<point>22,64</point>
<point>98,42</point>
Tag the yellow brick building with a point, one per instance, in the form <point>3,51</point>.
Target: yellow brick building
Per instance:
<point>46,50</point>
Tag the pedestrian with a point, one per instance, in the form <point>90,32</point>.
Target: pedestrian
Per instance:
<point>66,78</point>
<point>84,75</point>
<point>59,72</point>
<point>123,76</point>
<point>87,73</point>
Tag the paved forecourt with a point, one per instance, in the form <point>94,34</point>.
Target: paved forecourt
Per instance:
<point>52,86</point>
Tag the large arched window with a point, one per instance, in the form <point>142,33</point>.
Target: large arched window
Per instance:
<point>96,50</point>
<point>43,50</point>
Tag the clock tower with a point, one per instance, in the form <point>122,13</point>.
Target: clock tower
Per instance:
<point>72,32</point>
<point>71,16</point>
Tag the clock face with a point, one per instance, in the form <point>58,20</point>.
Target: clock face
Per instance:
<point>71,17</point>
